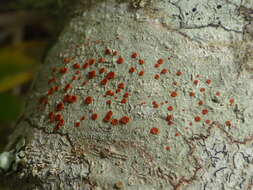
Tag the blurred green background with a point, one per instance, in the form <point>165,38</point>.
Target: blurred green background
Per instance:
<point>27,29</point>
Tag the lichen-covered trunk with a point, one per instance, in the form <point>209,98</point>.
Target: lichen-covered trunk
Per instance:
<point>147,95</point>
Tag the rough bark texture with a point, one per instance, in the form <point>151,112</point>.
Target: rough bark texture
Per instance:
<point>186,124</point>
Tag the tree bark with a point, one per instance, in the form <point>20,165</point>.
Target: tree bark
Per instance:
<point>142,95</point>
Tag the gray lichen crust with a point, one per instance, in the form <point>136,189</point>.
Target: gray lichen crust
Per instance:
<point>157,97</point>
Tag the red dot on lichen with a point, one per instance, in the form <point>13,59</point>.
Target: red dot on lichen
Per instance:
<point>132,69</point>
<point>120,60</point>
<point>121,85</point>
<point>92,61</point>
<point>66,60</point>
<point>83,118</point>
<point>218,94</point>
<point>124,100</point>
<point>141,61</point>
<point>179,73</point>
<point>202,89</point>
<point>169,118</point>
<point>109,93</point>
<point>205,111</point>
<point>91,74</point>
<point>88,100</point>
<point>101,60</point>
<point>208,81</point>
<point>114,121</point>
<point>94,116</point>
<point>196,82</point>
<point>197,118</point>
<point>157,65</point>
<point>85,65</point>
<point>201,103</point>
<point>231,101</point>
<point>63,70</point>
<point>108,116</point>
<point>76,66</point>
<point>173,94</point>
<point>77,124</point>
<point>167,147</point>
<point>164,71</point>
<point>126,95</point>
<point>157,76</point>
<point>177,134</point>
<point>108,51</point>
<point>124,120</point>
<point>160,61</point>
<point>134,55</point>
<point>170,108</point>
<point>68,86</point>
<point>192,94</point>
<point>208,121</point>
<point>155,104</point>
<point>108,102</point>
<point>111,75</point>
<point>154,131</point>
<point>60,106</point>
<point>141,73</point>
<point>104,82</point>
<point>102,70</point>
<point>51,117</point>
<point>228,123</point>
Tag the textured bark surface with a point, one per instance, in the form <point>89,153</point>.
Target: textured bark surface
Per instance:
<point>186,122</point>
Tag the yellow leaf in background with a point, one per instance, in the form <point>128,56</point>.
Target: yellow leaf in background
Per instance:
<point>16,80</point>
<point>18,63</point>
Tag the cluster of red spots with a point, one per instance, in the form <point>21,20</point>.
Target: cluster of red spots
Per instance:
<point>141,73</point>
<point>157,76</point>
<point>102,70</point>
<point>164,71</point>
<point>109,93</point>
<point>179,73</point>
<point>124,120</point>
<point>197,118</point>
<point>67,87</point>
<point>91,74</point>
<point>59,125</point>
<point>132,70</point>
<point>121,60</point>
<point>77,66</point>
<point>141,61</point>
<point>173,94</point>
<point>94,116</point>
<point>63,70</point>
<point>205,111</point>
<point>134,55</point>
<point>108,116</point>
<point>154,131</point>
<point>70,98</point>
<point>170,108</point>
<point>155,104</point>
<point>88,100</point>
